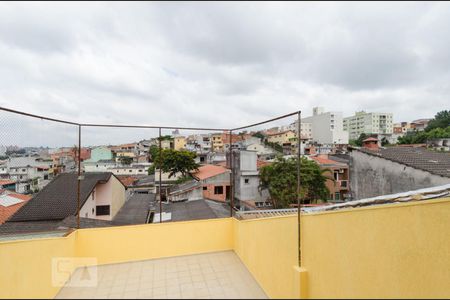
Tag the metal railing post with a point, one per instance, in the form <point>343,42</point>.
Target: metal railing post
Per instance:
<point>160,176</point>
<point>299,141</point>
<point>231,175</point>
<point>79,177</point>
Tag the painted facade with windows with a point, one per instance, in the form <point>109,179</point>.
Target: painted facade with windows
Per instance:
<point>105,200</point>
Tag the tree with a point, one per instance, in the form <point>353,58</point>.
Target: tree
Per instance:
<point>154,150</point>
<point>125,160</point>
<point>151,170</point>
<point>259,135</point>
<point>280,178</point>
<point>176,161</point>
<point>441,120</point>
<point>384,141</point>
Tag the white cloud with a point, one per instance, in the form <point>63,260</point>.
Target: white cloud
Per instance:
<point>220,64</point>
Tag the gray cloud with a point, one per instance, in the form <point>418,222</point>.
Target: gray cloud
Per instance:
<point>218,64</point>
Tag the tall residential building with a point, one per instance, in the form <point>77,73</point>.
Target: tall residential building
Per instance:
<point>368,123</point>
<point>326,127</point>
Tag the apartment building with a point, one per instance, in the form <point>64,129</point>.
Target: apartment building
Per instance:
<point>368,123</point>
<point>217,142</point>
<point>326,127</point>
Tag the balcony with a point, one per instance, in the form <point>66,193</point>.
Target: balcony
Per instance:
<point>402,248</point>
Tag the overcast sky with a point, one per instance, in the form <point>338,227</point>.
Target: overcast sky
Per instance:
<point>218,64</point>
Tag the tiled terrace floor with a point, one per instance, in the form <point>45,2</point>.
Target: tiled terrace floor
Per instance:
<point>202,276</point>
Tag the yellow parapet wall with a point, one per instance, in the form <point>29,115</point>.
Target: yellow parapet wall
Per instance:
<point>387,251</point>
<point>140,242</point>
<point>26,266</point>
<point>268,248</point>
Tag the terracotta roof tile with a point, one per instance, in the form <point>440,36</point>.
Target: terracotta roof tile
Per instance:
<point>208,171</point>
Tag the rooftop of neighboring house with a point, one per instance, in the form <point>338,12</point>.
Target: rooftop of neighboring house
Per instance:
<point>280,132</point>
<point>58,199</point>
<point>437,163</point>
<point>194,210</point>
<point>10,203</point>
<point>135,210</point>
<point>128,181</point>
<point>262,163</point>
<point>6,181</point>
<point>128,167</point>
<point>208,171</point>
<point>325,160</point>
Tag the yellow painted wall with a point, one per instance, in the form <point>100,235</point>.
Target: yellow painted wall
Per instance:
<point>25,266</point>
<point>132,243</point>
<point>389,251</point>
<point>268,248</point>
<point>179,142</point>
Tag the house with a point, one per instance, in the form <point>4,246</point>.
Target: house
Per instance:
<point>101,197</point>
<point>179,142</point>
<point>420,124</point>
<point>7,184</point>
<point>199,143</point>
<point>281,138</point>
<point>215,181</point>
<point>337,178</point>
<point>262,151</point>
<point>188,191</point>
<point>10,203</point>
<point>246,181</point>
<point>376,171</point>
<point>441,144</point>
<point>124,153</point>
<point>100,153</point>
<point>130,170</point>
<point>99,166</point>
<point>217,142</point>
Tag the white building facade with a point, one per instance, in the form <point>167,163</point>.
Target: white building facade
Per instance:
<point>326,127</point>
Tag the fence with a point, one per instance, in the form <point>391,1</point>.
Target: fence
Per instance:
<point>81,135</point>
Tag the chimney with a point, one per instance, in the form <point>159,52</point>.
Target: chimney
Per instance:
<point>370,143</point>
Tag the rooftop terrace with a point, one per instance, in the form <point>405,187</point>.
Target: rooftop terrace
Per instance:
<point>348,253</point>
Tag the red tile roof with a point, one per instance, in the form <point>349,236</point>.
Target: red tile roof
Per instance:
<point>208,171</point>
<point>371,139</point>
<point>262,163</point>
<point>7,212</point>
<point>324,161</point>
<point>127,180</point>
<point>6,181</point>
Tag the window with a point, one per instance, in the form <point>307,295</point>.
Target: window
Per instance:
<point>93,210</point>
<point>130,171</point>
<point>218,190</point>
<point>337,196</point>
<point>86,215</point>
<point>246,181</point>
<point>103,210</point>
<point>205,188</point>
<point>93,195</point>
